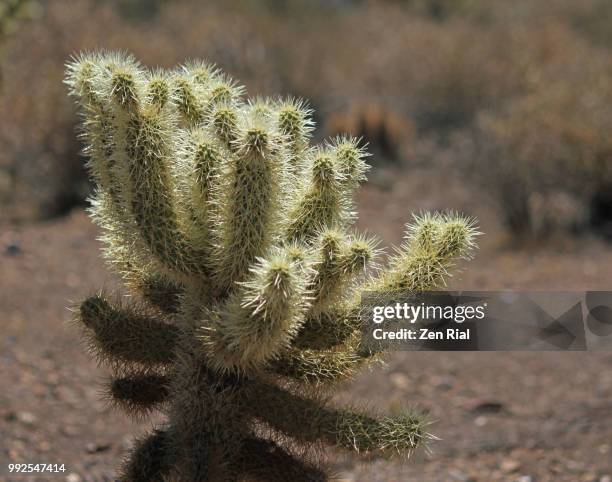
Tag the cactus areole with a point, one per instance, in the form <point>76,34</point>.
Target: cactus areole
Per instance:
<point>234,236</point>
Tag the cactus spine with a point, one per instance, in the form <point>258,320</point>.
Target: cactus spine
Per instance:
<point>235,235</point>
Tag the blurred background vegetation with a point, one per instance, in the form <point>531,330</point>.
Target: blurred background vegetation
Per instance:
<point>513,97</point>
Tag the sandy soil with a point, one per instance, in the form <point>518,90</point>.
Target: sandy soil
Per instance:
<point>500,416</point>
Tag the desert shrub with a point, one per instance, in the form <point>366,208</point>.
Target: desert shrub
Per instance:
<point>549,153</point>
<point>438,74</point>
<point>442,9</point>
<point>387,133</point>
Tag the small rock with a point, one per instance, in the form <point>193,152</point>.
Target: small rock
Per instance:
<point>509,465</point>
<point>73,478</point>
<point>94,448</point>
<point>481,421</point>
<point>461,476</point>
<point>525,478</point>
<point>488,406</point>
<point>605,478</point>
<point>69,430</point>
<point>444,383</point>
<point>399,380</point>
<point>12,249</point>
<point>27,418</point>
<point>44,446</point>
<point>573,466</point>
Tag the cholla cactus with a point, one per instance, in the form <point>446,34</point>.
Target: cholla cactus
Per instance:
<point>234,233</point>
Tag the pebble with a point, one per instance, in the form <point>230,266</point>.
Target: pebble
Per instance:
<point>44,446</point>
<point>444,383</point>
<point>399,380</point>
<point>13,249</point>
<point>94,448</point>
<point>69,430</point>
<point>27,418</point>
<point>461,476</point>
<point>481,421</point>
<point>509,465</point>
<point>488,406</point>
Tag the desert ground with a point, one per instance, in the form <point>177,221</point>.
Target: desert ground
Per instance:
<point>528,417</point>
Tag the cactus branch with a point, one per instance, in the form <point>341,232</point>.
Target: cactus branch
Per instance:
<point>138,394</point>
<point>127,334</point>
<point>150,460</point>
<point>309,420</point>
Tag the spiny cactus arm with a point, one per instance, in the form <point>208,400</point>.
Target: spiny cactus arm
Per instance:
<point>138,393</point>
<point>222,119</point>
<point>158,92</point>
<point>201,158</point>
<point>331,327</point>
<point>320,205</point>
<point>124,251</point>
<point>260,319</point>
<point>265,461</point>
<point>144,138</point>
<point>152,202</point>
<point>123,248</point>
<point>201,72</point>
<point>123,335</point>
<point>222,89</point>
<point>82,74</point>
<point>432,245</point>
<point>252,189</point>
<point>294,120</point>
<point>351,162</point>
<point>311,421</point>
<point>187,98</point>
<point>158,290</point>
<point>341,261</point>
<point>320,366</point>
<point>151,459</point>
